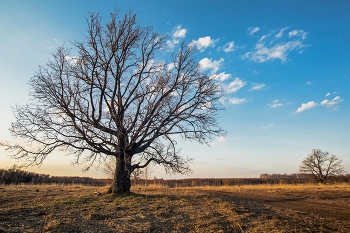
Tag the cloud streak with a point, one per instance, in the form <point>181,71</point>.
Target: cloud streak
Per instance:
<point>235,100</point>
<point>266,127</point>
<point>258,86</point>
<point>275,104</point>
<point>253,30</point>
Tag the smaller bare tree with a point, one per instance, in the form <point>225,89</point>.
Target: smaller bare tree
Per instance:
<point>322,165</point>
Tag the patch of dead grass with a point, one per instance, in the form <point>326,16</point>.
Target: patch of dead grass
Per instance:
<point>56,208</point>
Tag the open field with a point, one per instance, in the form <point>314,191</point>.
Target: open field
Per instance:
<point>259,208</point>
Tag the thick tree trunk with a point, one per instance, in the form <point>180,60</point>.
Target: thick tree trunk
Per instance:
<point>121,181</point>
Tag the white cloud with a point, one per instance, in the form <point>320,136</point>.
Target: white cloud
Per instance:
<point>253,30</point>
<point>209,64</point>
<point>328,94</point>
<point>170,66</point>
<point>237,100</point>
<point>298,33</point>
<point>275,104</point>
<point>333,104</point>
<point>222,76</point>
<point>229,47</point>
<point>258,86</point>
<point>266,127</point>
<point>337,98</point>
<point>203,42</point>
<point>263,54</point>
<point>306,106</point>
<point>308,83</point>
<point>277,46</point>
<point>178,34</point>
<point>235,85</point>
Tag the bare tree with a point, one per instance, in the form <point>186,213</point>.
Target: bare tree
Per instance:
<point>109,167</point>
<point>147,173</point>
<point>115,98</point>
<point>322,165</point>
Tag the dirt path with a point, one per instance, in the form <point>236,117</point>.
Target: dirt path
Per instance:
<point>262,201</point>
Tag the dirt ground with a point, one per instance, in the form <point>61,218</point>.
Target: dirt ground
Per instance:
<point>55,208</point>
<point>331,202</point>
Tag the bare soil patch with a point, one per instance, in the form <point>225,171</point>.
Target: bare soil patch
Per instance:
<point>329,203</point>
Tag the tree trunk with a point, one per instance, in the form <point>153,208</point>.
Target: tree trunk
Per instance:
<point>121,181</point>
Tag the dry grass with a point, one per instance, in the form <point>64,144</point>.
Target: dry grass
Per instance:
<point>52,208</point>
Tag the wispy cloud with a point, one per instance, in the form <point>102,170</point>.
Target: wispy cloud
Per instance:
<point>308,83</point>
<point>229,47</point>
<point>203,42</point>
<point>235,85</point>
<point>275,104</point>
<point>262,53</point>
<point>266,127</point>
<point>257,86</point>
<point>328,94</point>
<point>306,106</point>
<point>298,33</point>
<point>235,100</point>
<point>280,33</point>
<point>51,44</point>
<point>333,104</point>
<point>178,34</point>
<point>209,64</point>
<point>253,30</point>
<point>276,46</point>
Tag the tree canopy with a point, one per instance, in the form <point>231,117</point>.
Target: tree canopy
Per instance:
<point>322,165</point>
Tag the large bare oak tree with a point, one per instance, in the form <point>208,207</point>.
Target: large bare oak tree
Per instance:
<point>322,165</point>
<point>115,98</point>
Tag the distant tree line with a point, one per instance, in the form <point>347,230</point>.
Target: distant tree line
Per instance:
<point>15,175</point>
<point>264,179</point>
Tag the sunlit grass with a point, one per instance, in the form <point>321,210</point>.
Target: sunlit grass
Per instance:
<point>271,187</point>
<point>157,208</point>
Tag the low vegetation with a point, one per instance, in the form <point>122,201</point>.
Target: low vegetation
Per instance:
<point>246,208</point>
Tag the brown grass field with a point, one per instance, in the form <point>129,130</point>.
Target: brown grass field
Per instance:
<point>249,208</point>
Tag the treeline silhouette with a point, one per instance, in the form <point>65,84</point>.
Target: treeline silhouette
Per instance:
<point>15,175</point>
<point>264,179</point>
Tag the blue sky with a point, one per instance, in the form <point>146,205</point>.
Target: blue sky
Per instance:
<point>285,66</point>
